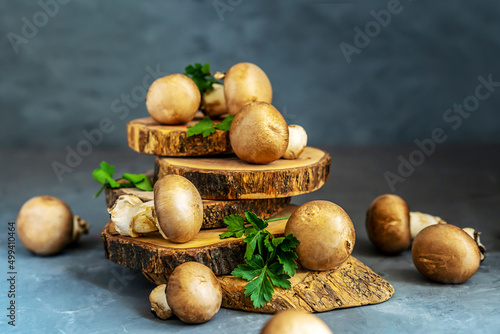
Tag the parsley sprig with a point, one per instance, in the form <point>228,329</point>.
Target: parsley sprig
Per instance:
<point>269,261</point>
<point>201,76</point>
<point>206,127</point>
<point>104,176</point>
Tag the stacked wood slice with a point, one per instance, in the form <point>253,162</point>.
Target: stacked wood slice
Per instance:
<point>230,186</point>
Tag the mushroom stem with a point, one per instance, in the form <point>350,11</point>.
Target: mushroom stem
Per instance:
<point>159,304</point>
<point>419,221</point>
<point>297,142</point>
<point>475,235</point>
<point>80,226</point>
<point>219,75</point>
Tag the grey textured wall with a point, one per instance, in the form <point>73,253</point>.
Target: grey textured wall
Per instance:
<point>67,65</point>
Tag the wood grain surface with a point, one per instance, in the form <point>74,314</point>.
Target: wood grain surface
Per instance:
<point>225,178</point>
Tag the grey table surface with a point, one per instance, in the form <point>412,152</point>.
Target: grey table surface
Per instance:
<point>80,291</point>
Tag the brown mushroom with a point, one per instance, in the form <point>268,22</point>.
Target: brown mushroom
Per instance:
<point>294,321</point>
<point>173,99</point>
<point>259,133</point>
<point>178,208</point>
<point>388,224</point>
<point>194,293</point>
<point>46,225</point>
<point>445,253</point>
<point>325,232</point>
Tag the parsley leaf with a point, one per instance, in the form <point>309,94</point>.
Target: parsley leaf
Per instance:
<point>269,261</point>
<point>104,176</point>
<point>204,127</point>
<point>225,125</point>
<point>201,76</point>
<point>235,225</point>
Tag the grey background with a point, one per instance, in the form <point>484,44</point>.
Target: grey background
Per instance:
<point>67,76</point>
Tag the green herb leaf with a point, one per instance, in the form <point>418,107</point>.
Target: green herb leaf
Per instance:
<point>269,261</point>
<point>140,181</point>
<point>275,273</point>
<point>235,225</point>
<point>104,176</point>
<point>256,222</point>
<point>225,125</point>
<point>201,76</point>
<point>204,127</point>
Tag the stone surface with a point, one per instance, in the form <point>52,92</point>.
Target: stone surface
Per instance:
<point>79,291</point>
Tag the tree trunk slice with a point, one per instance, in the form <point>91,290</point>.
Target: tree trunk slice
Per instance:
<point>147,136</point>
<point>225,178</point>
<point>213,211</point>
<point>352,284</point>
<point>153,254</point>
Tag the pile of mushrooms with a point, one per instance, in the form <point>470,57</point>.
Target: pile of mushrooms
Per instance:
<point>440,251</point>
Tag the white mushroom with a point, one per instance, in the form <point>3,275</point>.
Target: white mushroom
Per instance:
<point>159,304</point>
<point>297,141</point>
<point>213,102</point>
<point>419,221</point>
<point>132,217</point>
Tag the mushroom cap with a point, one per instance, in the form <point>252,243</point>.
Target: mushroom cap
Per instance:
<point>178,207</point>
<point>325,232</point>
<point>245,83</point>
<point>294,321</point>
<point>45,225</point>
<point>173,99</point>
<point>194,293</point>
<point>259,133</point>
<point>388,224</point>
<point>445,253</point>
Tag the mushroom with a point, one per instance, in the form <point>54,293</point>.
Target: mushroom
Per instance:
<point>213,102</point>
<point>194,293</point>
<point>475,235</point>
<point>245,83</point>
<point>391,226</point>
<point>325,232</point>
<point>259,133</point>
<point>178,208</point>
<point>173,99</point>
<point>294,321</point>
<point>297,142</point>
<point>445,253</point>
<point>159,305</point>
<point>388,224</point>
<point>133,217</point>
<point>46,225</point>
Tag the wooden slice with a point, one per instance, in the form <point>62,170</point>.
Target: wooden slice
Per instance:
<point>213,211</point>
<point>352,284</point>
<point>153,254</point>
<point>225,178</point>
<point>147,136</point>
